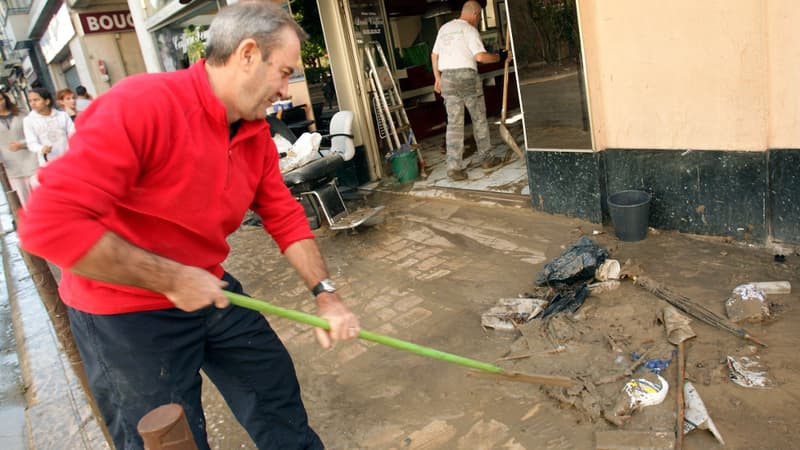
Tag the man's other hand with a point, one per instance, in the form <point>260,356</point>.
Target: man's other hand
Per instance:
<point>344,324</point>
<point>503,54</point>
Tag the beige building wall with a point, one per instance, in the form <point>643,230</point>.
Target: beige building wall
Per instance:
<point>783,17</point>
<point>119,51</point>
<point>684,74</point>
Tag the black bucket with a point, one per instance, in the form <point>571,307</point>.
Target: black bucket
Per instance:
<point>630,212</point>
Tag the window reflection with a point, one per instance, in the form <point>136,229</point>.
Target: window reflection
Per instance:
<point>181,43</point>
<point>549,71</point>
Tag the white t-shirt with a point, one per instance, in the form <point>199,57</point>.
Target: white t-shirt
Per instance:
<point>457,44</point>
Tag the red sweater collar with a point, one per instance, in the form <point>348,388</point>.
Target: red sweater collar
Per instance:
<point>214,106</point>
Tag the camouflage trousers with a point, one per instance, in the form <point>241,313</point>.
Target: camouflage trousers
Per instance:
<point>463,88</point>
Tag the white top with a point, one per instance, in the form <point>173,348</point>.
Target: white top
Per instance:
<point>457,44</point>
<point>81,104</point>
<point>53,130</point>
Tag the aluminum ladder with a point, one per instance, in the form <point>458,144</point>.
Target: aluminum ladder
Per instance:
<point>390,114</point>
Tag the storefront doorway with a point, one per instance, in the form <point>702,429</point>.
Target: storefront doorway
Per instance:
<point>406,30</point>
<point>71,77</point>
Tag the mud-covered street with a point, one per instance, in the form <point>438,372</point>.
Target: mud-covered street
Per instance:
<point>433,266</point>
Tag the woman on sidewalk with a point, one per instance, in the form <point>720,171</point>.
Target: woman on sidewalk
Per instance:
<point>46,129</point>
<point>20,166</point>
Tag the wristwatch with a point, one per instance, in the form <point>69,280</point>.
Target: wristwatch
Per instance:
<point>324,285</point>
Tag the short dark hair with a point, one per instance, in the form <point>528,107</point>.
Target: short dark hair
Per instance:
<point>81,91</point>
<point>44,93</point>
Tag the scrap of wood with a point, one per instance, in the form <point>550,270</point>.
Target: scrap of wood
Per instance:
<point>628,372</point>
<point>550,380</point>
<point>558,349</point>
<point>681,405</point>
<point>532,412</point>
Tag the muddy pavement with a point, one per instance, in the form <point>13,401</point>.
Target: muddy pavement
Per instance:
<point>433,266</point>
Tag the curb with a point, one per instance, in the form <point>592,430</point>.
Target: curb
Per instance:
<point>58,413</point>
<point>483,198</point>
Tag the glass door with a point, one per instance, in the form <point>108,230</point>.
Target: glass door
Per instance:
<point>547,53</point>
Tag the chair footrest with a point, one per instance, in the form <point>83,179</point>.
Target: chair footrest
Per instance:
<point>354,219</point>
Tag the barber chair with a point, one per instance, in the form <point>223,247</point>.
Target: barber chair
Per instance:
<point>314,184</point>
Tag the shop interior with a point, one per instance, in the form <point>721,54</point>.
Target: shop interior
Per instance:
<point>546,75</point>
<point>409,29</point>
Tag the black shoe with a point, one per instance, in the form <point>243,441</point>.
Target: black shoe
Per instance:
<point>491,162</point>
<point>457,175</point>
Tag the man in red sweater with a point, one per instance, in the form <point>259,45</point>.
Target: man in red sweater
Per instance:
<point>161,171</point>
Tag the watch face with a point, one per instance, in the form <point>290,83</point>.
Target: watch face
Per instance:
<point>327,286</point>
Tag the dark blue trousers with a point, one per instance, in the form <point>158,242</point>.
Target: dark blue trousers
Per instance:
<point>136,362</point>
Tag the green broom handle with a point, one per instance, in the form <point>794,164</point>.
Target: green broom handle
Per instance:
<point>319,322</point>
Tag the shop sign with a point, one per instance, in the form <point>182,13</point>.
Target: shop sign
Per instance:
<point>105,22</point>
<point>367,19</point>
<point>57,35</point>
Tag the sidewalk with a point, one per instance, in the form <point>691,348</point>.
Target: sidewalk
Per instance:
<point>58,415</point>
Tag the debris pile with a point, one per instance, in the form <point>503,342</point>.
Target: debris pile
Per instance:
<point>633,373</point>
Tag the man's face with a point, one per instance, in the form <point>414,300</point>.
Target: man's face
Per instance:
<point>476,19</point>
<point>268,81</point>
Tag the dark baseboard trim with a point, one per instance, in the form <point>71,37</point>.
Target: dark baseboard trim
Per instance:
<point>746,195</point>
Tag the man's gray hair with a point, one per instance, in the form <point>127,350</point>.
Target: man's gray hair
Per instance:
<point>261,20</point>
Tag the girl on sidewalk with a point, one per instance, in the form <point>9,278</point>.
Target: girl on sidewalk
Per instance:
<point>46,129</point>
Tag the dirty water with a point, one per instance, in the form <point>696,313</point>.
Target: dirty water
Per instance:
<point>433,266</point>
<point>12,399</point>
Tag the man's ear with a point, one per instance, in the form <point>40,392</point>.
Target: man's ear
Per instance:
<point>247,52</point>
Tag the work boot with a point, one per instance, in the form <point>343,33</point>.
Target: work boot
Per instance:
<point>457,175</point>
<point>491,162</point>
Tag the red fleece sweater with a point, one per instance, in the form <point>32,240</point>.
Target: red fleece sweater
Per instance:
<point>152,161</point>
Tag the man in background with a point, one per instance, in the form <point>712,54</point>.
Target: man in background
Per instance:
<point>456,53</point>
<point>83,98</point>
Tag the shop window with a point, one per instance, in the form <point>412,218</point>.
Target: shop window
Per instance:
<point>548,60</point>
<point>316,64</point>
<point>153,6</point>
<point>183,41</point>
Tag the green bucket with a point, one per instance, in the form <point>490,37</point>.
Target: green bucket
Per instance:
<point>404,166</point>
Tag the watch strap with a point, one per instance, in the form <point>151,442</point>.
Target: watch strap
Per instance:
<point>324,285</point>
